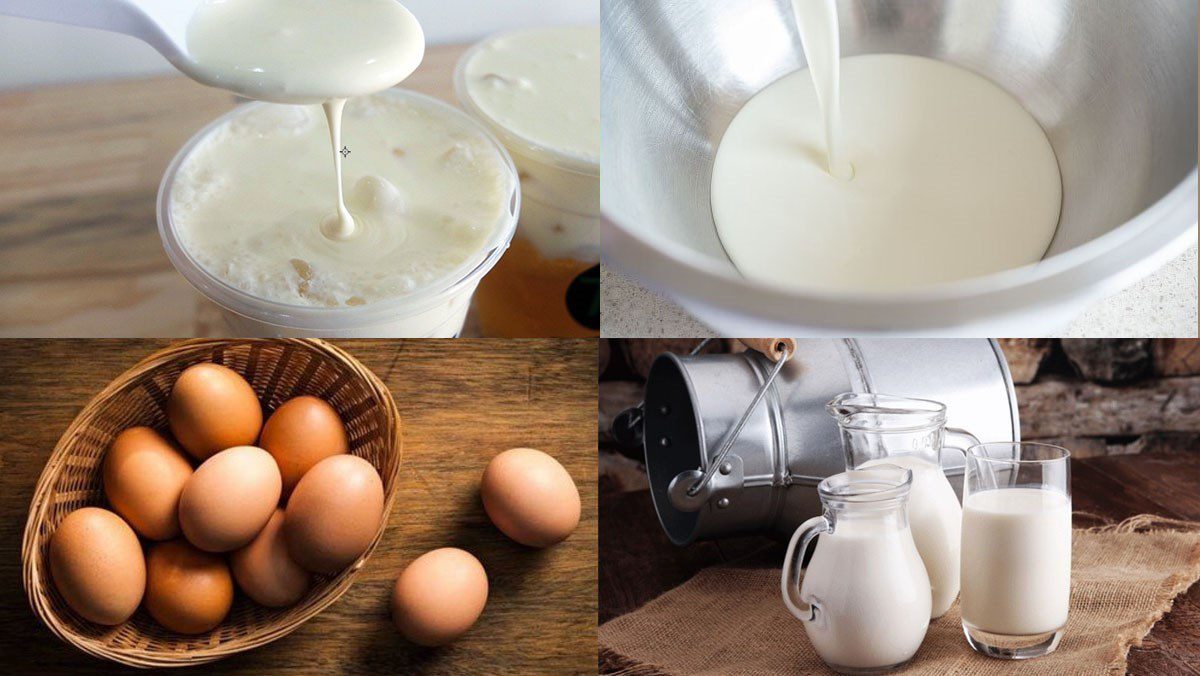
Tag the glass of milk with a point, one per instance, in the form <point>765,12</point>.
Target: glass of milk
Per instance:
<point>1016,548</point>
<point>879,428</point>
<point>864,599</point>
<point>435,193</point>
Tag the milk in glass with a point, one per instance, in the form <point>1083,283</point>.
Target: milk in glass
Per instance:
<point>1016,561</point>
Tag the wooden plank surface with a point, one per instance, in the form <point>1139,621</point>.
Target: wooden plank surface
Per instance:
<point>80,253</point>
<point>1055,407</point>
<point>462,402</point>
<point>638,563</point>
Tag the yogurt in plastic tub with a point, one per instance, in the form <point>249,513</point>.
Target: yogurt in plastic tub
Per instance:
<point>538,91</point>
<point>435,197</point>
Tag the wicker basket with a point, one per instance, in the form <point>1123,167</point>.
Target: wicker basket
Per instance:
<point>278,371</point>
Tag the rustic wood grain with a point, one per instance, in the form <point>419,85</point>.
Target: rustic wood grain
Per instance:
<point>80,253</point>
<point>1151,442</point>
<point>1025,356</point>
<point>1059,408</point>
<point>1176,357</point>
<point>1108,360</point>
<point>461,401</point>
<point>638,563</point>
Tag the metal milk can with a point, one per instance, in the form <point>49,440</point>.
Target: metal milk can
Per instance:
<point>737,443</point>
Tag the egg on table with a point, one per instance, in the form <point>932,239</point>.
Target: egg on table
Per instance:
<point>439,596</point>
<point>530,497</point>
<point>212,408</point>
<point>266,572</point>
<point>334,513</point>
<point>229,498</point>
<point>301,433</point>
<point>96,565</point>
<point>187,590</point>
<point>143,477</point>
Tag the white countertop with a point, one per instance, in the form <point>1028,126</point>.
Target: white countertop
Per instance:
<point>1162,305</point>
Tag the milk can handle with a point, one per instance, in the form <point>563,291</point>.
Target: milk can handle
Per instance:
<point>775,349</point>
<point>789,583</point>
<point>726,443</point>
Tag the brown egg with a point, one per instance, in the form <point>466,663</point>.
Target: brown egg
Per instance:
<point>212,408</point>
<point>229,499</point>
<point>96,564</point>
<point>439,596</point>
<point>334,513</point>
<point>301,433</point>
<point>143,477</point>
<point>187,590</point>
<point>264,570</point>
<point>530,497</point>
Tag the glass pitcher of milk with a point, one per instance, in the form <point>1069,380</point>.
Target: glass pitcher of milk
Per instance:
<point>910,433</point>
<point>865,597</point>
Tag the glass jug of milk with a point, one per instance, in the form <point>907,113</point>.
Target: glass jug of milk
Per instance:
<point>865,597</point>
<point>910,433</point>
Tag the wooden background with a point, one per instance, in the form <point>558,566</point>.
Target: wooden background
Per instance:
<point>1128,409</point>
<point>461,402</point>
<point>80,253</point>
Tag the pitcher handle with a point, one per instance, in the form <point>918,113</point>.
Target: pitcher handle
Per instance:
<point>957,439</point>
<point>960,440</point>
<point>789,583</point>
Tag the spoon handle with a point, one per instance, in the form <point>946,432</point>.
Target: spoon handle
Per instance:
<point>118,16</point>
<point>111,15</point>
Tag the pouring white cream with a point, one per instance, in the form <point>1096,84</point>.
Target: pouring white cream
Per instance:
<point>818,25</point>
<point>938,174</point>
<point>307,51</point>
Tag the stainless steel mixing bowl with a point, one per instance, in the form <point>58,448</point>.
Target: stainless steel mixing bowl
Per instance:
<point>1113,83</point>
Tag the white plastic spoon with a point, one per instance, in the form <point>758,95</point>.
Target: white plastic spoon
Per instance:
<point>287,51</point>
<point>162,24</point>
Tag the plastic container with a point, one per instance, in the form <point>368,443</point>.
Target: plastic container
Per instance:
<point>436,311</point>
<point>547,284</point>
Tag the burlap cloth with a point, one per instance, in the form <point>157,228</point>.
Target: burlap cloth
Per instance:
<point>730,620</point>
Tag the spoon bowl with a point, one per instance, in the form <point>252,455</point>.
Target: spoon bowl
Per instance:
<point>285,51</point>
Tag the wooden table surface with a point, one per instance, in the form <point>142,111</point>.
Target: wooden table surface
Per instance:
<point>461,401</point>
<point>80,253</point>
<point>638,563</point>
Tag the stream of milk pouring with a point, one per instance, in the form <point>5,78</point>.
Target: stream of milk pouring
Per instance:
<point>818,24</point>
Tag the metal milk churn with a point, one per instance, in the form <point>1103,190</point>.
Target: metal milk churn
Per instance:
<point>766,477</point>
